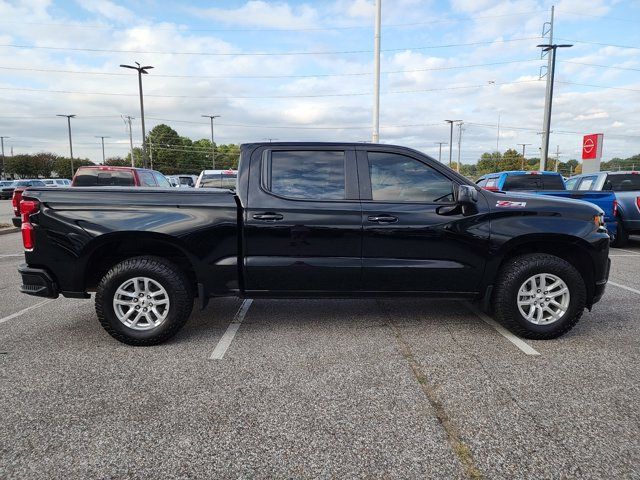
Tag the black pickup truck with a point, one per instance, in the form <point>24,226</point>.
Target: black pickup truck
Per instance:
<point>315,220</point>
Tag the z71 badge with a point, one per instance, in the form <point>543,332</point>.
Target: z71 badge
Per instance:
<point>509,204</point>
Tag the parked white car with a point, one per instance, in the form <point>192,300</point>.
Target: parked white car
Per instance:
<point>57,182</point>
<point>182,180</point>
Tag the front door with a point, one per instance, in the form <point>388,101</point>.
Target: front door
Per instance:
<point>415,237</point>
<point>303,222</point>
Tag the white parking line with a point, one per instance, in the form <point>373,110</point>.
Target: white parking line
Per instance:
<point>624,255</point>
<point>517,341</point>
<point>628,251</point>
<point>624,287</point>
<point>12,255</point>
<point>227,338</point>
<point>25,310</point>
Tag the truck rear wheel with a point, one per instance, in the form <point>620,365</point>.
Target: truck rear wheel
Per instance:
<point>539,296</point>
<point>144,300</point>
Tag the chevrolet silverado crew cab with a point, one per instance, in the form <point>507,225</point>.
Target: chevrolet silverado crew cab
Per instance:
<point>315,220</point>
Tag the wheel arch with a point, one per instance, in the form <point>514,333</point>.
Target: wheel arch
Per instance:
<point>111,249</point>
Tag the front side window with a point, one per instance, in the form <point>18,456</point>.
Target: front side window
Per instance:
<point>398,178</point>
<point>161,180</point>
<point>571,183</point>
<point>317,175</point>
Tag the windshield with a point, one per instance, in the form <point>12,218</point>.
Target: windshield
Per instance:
<point>218,180</point>
<point>624,182</point>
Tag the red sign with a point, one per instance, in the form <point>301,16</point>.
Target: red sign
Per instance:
<point>592,146</point>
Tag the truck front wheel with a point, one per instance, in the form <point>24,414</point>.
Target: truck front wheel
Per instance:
<point>539,296</point>
<point>144,301</point>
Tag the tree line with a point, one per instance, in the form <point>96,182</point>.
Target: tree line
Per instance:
<point>169,153</point>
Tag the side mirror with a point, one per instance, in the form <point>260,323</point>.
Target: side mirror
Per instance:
<point>467,195</point>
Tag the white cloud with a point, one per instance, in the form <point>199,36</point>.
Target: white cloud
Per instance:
<point>107,9</point>
<point>264,14</point>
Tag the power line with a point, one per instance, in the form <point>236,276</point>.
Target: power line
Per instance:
<point>263,54</point>
<point>599,43</point>
<point>598,65</point>
<point>317,95</point>
<point>388,72</point>
<point>284,28</point>
<point>600,17</point>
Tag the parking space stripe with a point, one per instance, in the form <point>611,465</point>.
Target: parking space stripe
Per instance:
<point>624,255</point>
<point>25,310</point>
<point>232,329</point>
<point>12,255</point>
<point>624,287</point>
<point>628,251</point>
<point>517,341</point>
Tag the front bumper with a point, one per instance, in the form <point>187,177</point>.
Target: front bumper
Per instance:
<point>601,285</point>
<point>38,282</point>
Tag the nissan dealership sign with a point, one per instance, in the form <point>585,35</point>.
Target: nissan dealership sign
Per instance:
<point>591,152</point>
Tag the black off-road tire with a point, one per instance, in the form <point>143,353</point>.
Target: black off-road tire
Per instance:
<point>514,273</point>
<point>622,236</point>
<point>170,276</point>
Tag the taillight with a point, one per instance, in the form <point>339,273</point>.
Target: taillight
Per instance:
<point>615,208</point>
<point>15,201</point>
<point>28,207</point>
<point>638,202</point>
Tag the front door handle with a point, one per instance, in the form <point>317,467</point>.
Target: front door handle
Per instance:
<point>269,216</point>
<point>383,219</point>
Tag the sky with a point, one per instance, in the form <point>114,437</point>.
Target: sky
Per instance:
<point>303,71</point>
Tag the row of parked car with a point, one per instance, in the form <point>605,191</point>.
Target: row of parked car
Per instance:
<point>616,193</point>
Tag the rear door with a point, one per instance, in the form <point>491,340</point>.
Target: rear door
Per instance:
<point>302,222</point>
<point>415,237</point>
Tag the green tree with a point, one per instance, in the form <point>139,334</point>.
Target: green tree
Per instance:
<point>62,166</point>
<point>117,162</point>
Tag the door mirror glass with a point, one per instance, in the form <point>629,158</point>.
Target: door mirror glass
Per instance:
<point>467,195</point>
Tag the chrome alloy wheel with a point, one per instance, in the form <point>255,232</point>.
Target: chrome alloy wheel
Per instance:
<point>543,299</point>
<point>141,303</point>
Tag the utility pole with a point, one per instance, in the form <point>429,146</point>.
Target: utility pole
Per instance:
<point>498,136</point>
<point>451,122</point>
<point>547,29</point>
<point>557,157</point>
<point>2,165</point>
<point>376,81</point>
<point>213,145</point>
<point>440,150</point>
<point>127,120</point>
<point>460,130</point>
<point>69,117</point>
<point>523,145</point>
<point>549,100</point>
<point>141,71</point>
<point>101,137</point>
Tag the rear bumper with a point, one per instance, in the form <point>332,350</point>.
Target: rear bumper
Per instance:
<point>37,282</point>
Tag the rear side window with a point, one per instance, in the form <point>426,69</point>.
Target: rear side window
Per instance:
<point>94,177</point>
<point>571,183</point>
<point>587,183</point>
<point>524,182</point>
<point>146,179</point>
<point>161,179</point>
<point>399,178</point>
<point>624,182</point>
<point>318,175</point>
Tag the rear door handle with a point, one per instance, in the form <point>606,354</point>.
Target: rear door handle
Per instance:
<point>383,219</point>
<point>269,216</point>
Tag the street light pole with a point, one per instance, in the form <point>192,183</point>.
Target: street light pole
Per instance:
<point>141,71</point>
<point>547,114</point>
<point>101,137</point>
<point>213,148</point>
<point>440,150</point>
<point>451,122</point>
<point>69,117</point>
<point>523,145</point>
<point>2,166</point>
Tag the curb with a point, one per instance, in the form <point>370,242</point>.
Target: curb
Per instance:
<point>6,231</point>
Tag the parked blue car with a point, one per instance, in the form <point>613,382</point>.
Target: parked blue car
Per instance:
<point>626,189</point>
<point>552,183</point>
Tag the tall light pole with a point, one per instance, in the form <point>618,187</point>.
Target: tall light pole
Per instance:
<point>549,101</point>
<point>69,117</point>
<point>102,137</point>
<point>523,145</point>
<point>440,150</point>
<point>460,130</point>
<point>141,71</point>
<point>127,120</point>
<point>213,147</point>
<point>376,76</point>
<point>2,166</point>
<point>451,122</point>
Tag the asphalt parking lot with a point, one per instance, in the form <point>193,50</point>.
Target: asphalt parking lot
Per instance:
<point>319,388</point>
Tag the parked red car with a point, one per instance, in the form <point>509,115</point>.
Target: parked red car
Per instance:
<point>105,176</point>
